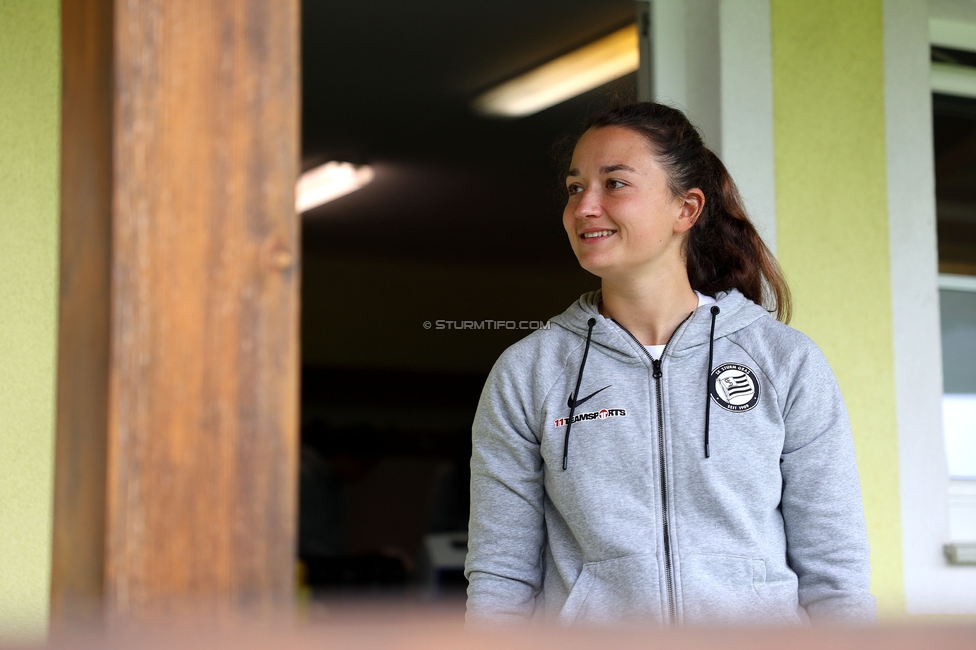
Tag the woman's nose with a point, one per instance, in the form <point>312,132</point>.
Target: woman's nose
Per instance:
<point>588,204</point>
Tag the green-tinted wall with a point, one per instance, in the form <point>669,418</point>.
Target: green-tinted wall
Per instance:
<point>832,234</point>
<point>30,92</point>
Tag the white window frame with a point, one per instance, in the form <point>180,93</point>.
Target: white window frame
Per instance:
<point>961,543</point>
<point>933,586</point>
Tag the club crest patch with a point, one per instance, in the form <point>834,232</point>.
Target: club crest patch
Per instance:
<point>734,387</point>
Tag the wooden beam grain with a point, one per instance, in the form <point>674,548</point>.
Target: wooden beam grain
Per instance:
<point>202,382</point>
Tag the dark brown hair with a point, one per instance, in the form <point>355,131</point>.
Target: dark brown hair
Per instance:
<point>723,250</point>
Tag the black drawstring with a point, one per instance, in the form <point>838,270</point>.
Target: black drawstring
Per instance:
<point>708,374</point>
<point>572,400</point>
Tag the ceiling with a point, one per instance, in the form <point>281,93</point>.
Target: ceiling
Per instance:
<point>389,83</point>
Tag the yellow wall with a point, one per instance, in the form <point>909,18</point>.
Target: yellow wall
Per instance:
<point>832,234</point>
<point>30,97</point>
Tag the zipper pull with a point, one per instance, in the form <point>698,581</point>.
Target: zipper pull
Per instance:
<point>657,368</point>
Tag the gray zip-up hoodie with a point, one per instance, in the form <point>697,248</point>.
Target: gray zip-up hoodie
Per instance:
<point>641,525</point>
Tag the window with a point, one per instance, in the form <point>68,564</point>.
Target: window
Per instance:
<point>954,125</point>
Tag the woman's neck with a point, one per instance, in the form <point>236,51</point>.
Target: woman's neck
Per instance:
<point>651,307</point>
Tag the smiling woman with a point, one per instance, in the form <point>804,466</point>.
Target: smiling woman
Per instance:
<point>621,215</point>
<point>711,476</point>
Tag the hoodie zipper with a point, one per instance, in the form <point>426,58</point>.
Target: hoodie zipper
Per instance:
<point>656,363</point>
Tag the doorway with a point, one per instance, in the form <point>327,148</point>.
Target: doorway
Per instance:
<point>406,281</point>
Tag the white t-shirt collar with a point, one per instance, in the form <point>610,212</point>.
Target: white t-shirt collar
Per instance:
<point>657,350</point>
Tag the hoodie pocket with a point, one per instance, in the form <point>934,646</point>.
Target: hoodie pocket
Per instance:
<point>610,591</point>
<point>730,589</point>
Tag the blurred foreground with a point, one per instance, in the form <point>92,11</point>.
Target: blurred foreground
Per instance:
<point>355,625</point>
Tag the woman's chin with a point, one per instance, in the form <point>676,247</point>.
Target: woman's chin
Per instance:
<point>597,267</point>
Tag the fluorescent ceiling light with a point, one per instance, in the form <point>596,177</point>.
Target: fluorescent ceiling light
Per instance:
<point>572,74</point>
<point>328,182</point>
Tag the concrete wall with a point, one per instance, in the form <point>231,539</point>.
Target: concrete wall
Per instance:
<point>30,92</point>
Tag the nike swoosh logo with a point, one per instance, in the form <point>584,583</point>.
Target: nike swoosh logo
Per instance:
<point>569,402</point>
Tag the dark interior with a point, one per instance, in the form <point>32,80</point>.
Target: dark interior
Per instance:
<point>462,223</point>
<point>954,136</point>
<point>394,91</point>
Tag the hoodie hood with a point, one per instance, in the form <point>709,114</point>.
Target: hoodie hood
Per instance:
<point>735,313</point>
<point>733,310</point>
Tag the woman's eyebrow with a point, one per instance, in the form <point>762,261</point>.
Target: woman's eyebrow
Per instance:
<point>616,168</point>
<point>606,169</point>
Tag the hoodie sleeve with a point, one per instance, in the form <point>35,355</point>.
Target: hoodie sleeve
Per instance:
<point>506,530</point>
<point>826,536</point>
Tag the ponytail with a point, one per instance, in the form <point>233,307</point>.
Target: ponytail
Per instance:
<point>723,251</point>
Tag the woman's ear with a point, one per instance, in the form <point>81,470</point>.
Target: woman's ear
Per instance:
<point>692,204</point>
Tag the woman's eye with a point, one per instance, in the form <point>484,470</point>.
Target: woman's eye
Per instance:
<point>574,189</point>
<point>614,185</point>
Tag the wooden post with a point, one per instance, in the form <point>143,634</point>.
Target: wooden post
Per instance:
<point>176,459</point>
<point>78,561</point>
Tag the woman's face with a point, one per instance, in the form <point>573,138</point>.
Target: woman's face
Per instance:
<point>621,218</point>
